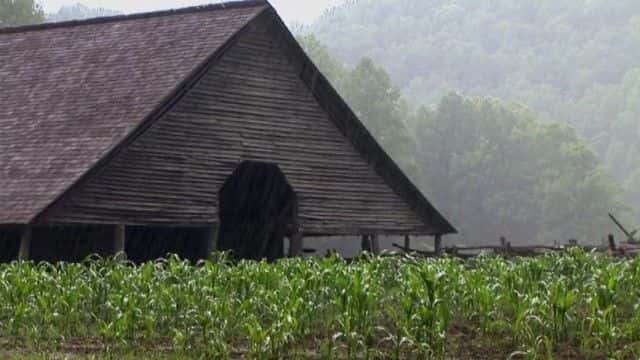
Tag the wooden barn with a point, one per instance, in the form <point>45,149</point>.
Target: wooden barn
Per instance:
<point>166,131</point>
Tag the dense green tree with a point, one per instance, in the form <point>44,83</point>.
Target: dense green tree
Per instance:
<point>370,92</point>
<point>20,12</point>
<point>332,68</point>
<point>498,171</point>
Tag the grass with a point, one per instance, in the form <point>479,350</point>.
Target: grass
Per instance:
<point>573,305</point>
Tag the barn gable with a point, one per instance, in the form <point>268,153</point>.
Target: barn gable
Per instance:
<point>256,97</point>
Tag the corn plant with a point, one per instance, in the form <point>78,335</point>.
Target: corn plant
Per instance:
<point>395,307</point>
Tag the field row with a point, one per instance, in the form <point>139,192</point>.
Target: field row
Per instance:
<point>573,305</point>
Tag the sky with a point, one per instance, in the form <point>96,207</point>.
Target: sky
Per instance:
<point>300,11</point>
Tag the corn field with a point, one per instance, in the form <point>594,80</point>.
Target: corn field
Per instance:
<point>572,305</point>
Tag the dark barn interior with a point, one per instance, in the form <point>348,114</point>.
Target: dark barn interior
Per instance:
<point>9,243</point>
<point>257,210</point>
<point>76,243</point>
<point>150,243</point>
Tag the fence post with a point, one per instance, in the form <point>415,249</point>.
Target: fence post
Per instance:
<point>612,243</point>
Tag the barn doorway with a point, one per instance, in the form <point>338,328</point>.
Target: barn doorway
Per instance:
<point>257,209</point>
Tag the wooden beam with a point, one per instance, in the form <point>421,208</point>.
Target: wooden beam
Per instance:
<point>25,243</point>
<point>407,243</point>
<point>437,244</point>
<point>375,244</point>
<point>119,239</point>
<point>296,243</point>
<point>365,243</point>
<point>211,239</point>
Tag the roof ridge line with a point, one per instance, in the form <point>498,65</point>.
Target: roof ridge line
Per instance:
<point>134,16</point>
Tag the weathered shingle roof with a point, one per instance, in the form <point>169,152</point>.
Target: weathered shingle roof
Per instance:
<point>72,91</point>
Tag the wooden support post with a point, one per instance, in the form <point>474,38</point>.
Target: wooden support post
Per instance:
<point>25,243</point>
<point>437,244</point>
<point>366,243</point>
<point>407,243</point>
<point>119,238</point>
<point>375,244</point>
<point>612,243</point>
<point>296,243</point>
<point>211,240</point>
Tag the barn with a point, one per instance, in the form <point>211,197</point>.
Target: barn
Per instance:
<point>131,133</point>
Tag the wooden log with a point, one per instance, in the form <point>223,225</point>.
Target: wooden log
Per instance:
<point>505,246</point>
<point>630,235</point>
<point>24,252</point>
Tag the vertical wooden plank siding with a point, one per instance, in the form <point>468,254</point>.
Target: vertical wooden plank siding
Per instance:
<point>252,105</point>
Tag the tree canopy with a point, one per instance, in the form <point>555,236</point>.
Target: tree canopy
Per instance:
<point>499,171</point>
<point>20,12</point>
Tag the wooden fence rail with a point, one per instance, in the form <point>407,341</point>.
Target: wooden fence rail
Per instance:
<point>506,249</point>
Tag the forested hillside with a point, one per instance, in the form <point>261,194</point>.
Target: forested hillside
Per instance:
<point>494,168</point>
<point>79,11</point>
<point>572,61</point>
